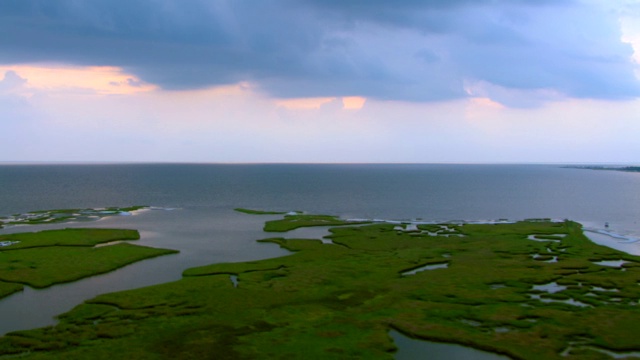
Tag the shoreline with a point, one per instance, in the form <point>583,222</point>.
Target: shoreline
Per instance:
<point>601,236</point>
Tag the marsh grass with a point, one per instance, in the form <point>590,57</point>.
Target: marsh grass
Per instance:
<point>291,222</point>
<point>45,266</point>
<point>7,288</point>
<point>340,300</point>
<point>67,237</point>
<point>41,259</point>
<point>258,212</point>
<point>65,215</point>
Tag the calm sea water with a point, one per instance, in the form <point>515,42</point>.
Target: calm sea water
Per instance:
<point>442,192</point>
<point>195,209</point>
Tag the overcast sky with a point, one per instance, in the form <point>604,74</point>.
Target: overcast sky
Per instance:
<point>320,80</point>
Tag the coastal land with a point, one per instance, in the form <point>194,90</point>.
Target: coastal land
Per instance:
<point>506,288</point>
<point>65,215</point>
<point>614,168</point>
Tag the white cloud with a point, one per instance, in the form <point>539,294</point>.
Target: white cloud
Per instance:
<point>463,81</point>
<point>11,82</point>
<point>237,124</point>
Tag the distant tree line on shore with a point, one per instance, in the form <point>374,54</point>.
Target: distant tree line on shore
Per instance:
<point>616,168</point>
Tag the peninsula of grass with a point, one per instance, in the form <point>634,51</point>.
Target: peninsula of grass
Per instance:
<point>490,290</point>
<point>41,259</point>
<point>291,222</point>
<point>7,289</point>
<point>67,237</point>
<point>258,212</point>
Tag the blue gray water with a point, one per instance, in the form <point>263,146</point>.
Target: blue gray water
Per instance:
<point>195,205</point>
<point>442,192</point>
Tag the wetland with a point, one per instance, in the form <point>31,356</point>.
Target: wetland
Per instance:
<point>193,213</point>
<point>344,298</point>
<point>44,258</point>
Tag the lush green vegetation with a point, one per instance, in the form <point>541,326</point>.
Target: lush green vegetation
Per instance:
<point>258,212</point>
<point>67,237</point>
<point>8,288</point>
<point>44,258</point>
<point>291,222</point>
<point>42,267</point>
<point>339,300</point>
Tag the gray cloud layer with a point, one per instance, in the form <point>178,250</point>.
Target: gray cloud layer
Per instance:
<point>407,50</point>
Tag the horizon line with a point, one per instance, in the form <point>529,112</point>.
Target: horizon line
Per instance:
<point>108,162</point>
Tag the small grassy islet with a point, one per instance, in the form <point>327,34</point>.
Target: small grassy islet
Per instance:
<point>258,212</point>
<point>339,300</point>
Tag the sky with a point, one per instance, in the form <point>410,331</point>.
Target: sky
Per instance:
<point>320,81</point>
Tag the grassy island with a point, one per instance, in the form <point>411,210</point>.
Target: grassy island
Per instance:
<point>41,259</point>
<point>65,215</point>
<point>258,212</point>
<point>506,288</point>
<point>292,222</point>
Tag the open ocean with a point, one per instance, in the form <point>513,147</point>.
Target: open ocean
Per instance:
<point>193,209</point>
<point>436,192</point>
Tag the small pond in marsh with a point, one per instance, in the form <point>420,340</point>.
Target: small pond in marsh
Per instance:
<point>414,349</point>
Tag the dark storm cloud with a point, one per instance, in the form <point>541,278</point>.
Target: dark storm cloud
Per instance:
<point>410,50</point>
<point>429,15</point>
